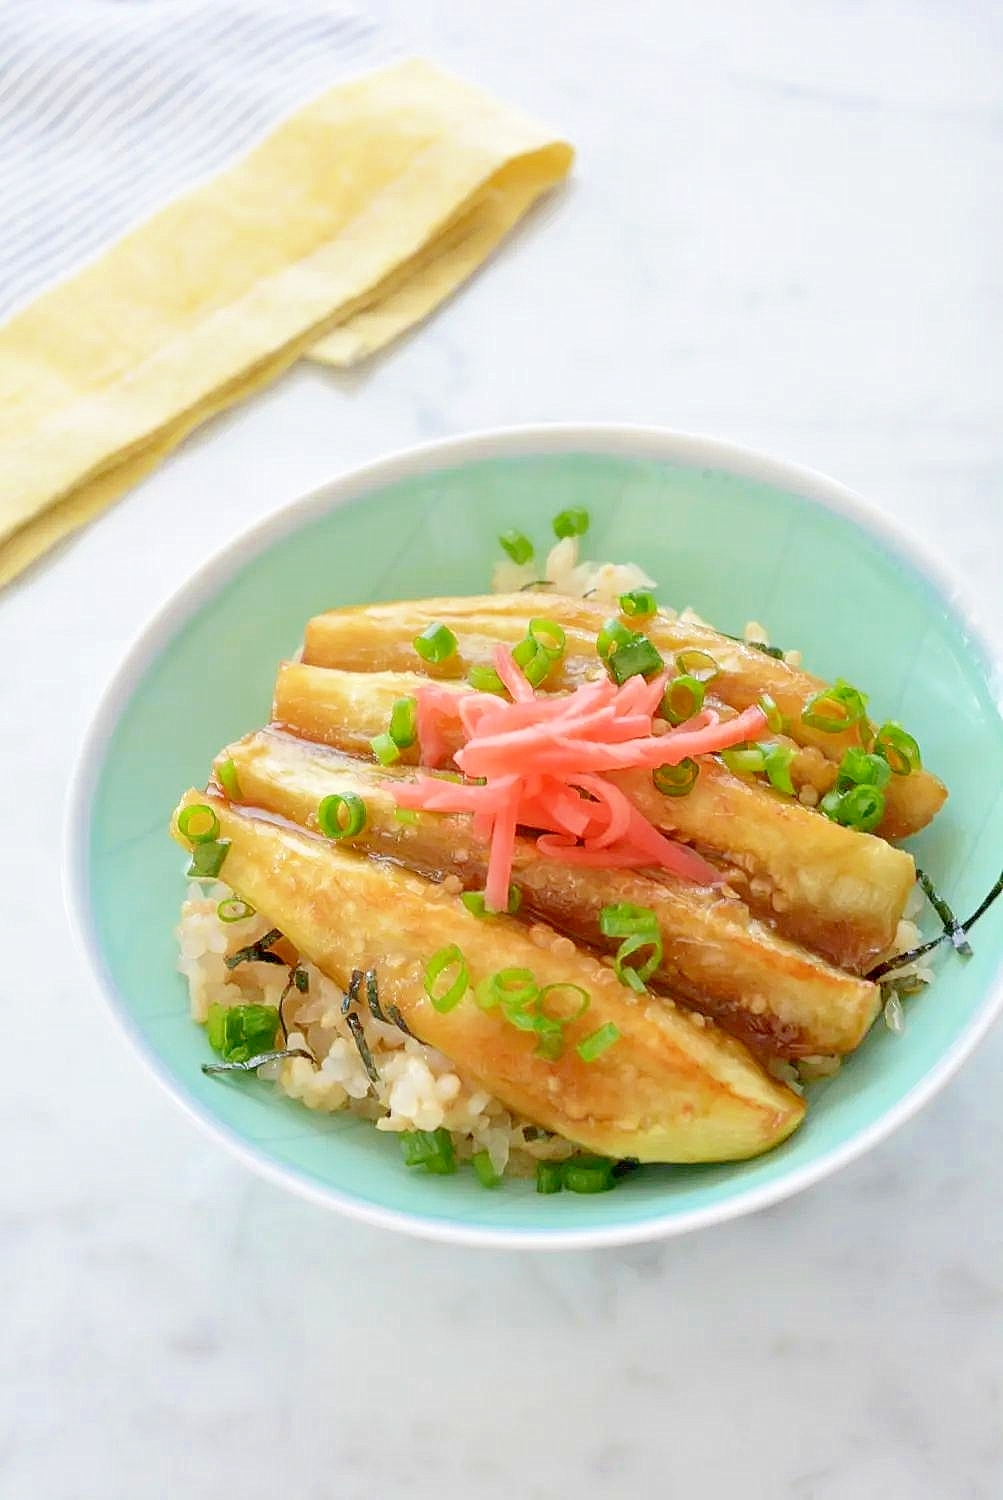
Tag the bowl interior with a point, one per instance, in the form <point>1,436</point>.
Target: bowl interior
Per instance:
<point>733,547</point>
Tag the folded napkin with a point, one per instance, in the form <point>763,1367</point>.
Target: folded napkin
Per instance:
<point>350,222</point>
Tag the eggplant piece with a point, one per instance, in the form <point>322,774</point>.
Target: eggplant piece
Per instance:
<point>837,891</point>
<point>381,636</point>
<point>779,999</point>
<point>672,1088</point>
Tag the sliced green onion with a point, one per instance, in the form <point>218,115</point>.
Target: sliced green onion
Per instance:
<point>571,523</point>
<point>777,765</point>
<point>861,768</point>
<point>551,1039</point>
<point>485,679</point>
<point>341,815</point>
<point>638,943</point>
<point>862,807</point>
<point>240,1032</point>
<point>431,1149</point>
<point>596,1043</point>
<point>696,663</point>
<point>207,859</point>
<point>579,1003</point>
<point>676,781</point>
<point>436,644</point>
<point>233,909</point>
<point>532,659</point>
<point>549,1177</point>
<point>638,604</point>
<point>404,722</point>
<point>447,995</point>
<point>613,635</point>
<point>683,697</point>
<point>633,981</point>
<point>835,709</point>
<point>744,760</point>
<point>625,920</point>
<point>635,658</point>
<point>549,637</point>
<point>405,815</point>
<point>484,1169</point>
<point>198,824</point>
<point>518,546</point>
<point>226,775</point>
<point>476,903</point>
<point>898,748</point>
<point>385,750</point>
<point>774,718</point>
<point>513,989</point>
<point>775,651</point>
<point>588,1174</point>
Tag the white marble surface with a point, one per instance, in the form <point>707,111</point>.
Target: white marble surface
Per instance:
<point>785,229</point>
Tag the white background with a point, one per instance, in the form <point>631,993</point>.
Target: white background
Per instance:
<point>784,229</point>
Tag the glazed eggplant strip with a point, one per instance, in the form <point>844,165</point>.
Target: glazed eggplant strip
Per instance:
<point>776,997</point>
<point>671,1088</point>
<point>381,636</point>
<point>839,892</point>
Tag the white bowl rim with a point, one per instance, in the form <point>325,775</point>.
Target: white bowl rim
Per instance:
<point>617,440</point>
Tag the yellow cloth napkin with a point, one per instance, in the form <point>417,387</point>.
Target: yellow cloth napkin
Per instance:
<point>354,219</point>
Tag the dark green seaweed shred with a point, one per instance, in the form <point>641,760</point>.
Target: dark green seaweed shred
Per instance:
<point>394,1013</point>
<point>352,997</point>
<point>359,1037</point>
<point>251,1064</point>
<point>257,953</point>
<point>373,996</point>
<point>902,959</point>
<point>952,926</point>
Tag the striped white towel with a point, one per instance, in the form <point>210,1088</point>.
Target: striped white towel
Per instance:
<point>108,108</point>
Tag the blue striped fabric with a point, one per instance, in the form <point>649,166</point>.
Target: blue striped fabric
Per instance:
<point>109,108</point>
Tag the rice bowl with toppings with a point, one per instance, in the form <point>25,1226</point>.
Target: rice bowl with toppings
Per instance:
<point>830,1097</point>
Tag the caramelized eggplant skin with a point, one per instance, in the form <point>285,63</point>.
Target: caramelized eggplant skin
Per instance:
<point>838,892</point>
<point>380,636</point>
<point>673,1088</point>
<point>778,998</point>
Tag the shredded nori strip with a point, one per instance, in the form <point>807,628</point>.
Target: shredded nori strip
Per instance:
<point>359,1037</point>
<point>535,583</point>
<point>352,997</point>
<point>902,959</point>
<point>952,926</point>
<point>774,651</point>
<point>625,1165</point>
<point>373,997</point>
<point>394,1013</point>
<point>253,1063</point>
<point>300,980</point>
<point>535,1133</point>
<point>257,953</point>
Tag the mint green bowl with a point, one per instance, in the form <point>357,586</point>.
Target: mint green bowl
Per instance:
<point>736,536</point>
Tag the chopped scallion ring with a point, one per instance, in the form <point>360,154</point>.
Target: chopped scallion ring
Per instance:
<point>385,749</point>
<point>447,995</point>
<point>597,1043</point>
<point>579,1002</point>
<point>862,807</point>
<point>774,718</point>
<point>431,1149</point>
<point>485,679</point>
<point>234,909</point>
<point>588,1174</point>
<point>612,635</point>
<point>744,760</point>
<point>475,902</point>
<point>518,546</point>
<point>549,637</point>
<point>404,722</point>
<point>207,859</point>
<point>571,523</point>
<point>625,920</point>
<point>835,709</point>
<point>532,659</point>
<point>549,1178</point>
<point>676,781</point>
<point>639,604</point>
<point>239,1032</point>
<point>226,775</point>
<point>550,1043</point>
<point>696,663</point>
<point>198,823</point>
<point>484,1169</point>
<point>682,699</point>
<point>405,815</point>
<point>436,644</point>
<point>341,815</point>
<point>898,748</point>
<point>639,942</point>
<point>634,658</point>
<point>777,765</point>
<point>861,768</point>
